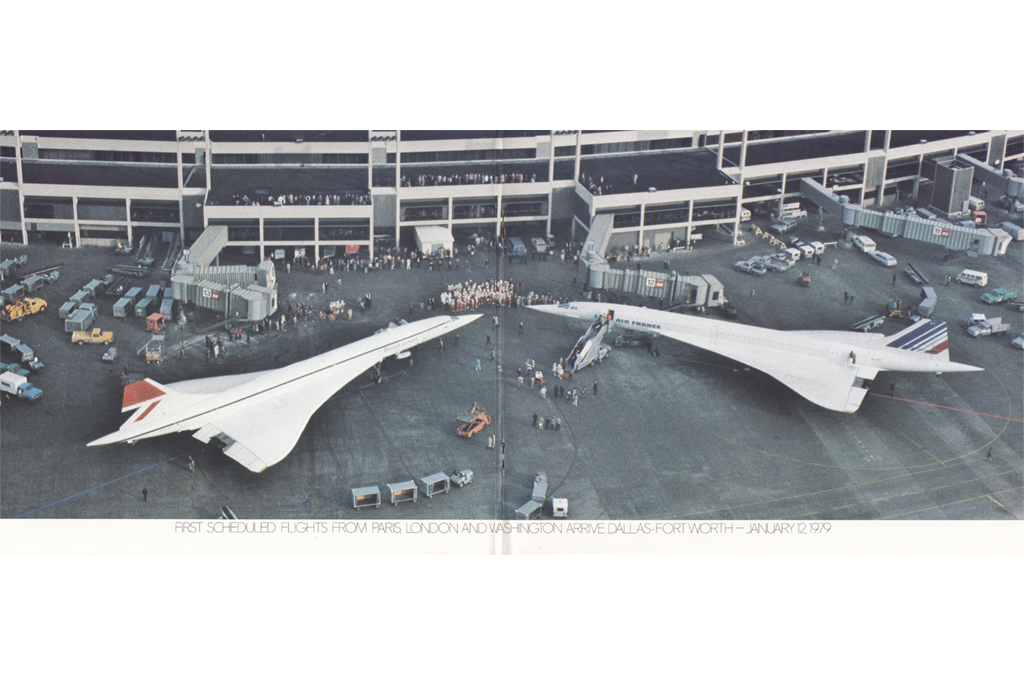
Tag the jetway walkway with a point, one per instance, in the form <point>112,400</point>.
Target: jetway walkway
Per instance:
<point>999,182</point>
<point>980,241</point>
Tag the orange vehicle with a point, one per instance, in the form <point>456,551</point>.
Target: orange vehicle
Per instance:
<point>473,421</point>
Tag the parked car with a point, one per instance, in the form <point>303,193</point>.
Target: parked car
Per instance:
<point>772,264</point>
<point>883,258</point>
<point>751,267</point>
<point>1018,342</point>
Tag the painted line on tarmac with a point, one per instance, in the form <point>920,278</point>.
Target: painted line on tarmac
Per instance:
<point>97,487</point>
<point>942,406</point>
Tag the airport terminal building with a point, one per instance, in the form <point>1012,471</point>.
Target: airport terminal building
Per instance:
<point>317,194</point>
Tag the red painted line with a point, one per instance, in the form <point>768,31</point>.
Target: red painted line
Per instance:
<point>942,406</point>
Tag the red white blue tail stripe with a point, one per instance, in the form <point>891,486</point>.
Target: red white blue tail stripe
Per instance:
<point>927,336</point>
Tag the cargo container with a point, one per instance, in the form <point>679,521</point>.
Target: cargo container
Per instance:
<point>134,294</point>
<point>67,308</point>
<point>154,292</point>
<point>122,307</point>
<point>93,286</point>
<point>144,308</point>
<point>79,320</point>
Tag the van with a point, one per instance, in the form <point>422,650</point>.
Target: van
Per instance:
<point>975,204</point>
<point>783,227</point>
<point>539,245</point>
<point>518,248</point>
<point>864,243</point>
<point>794,254</point>
<point>979,279</point>
<point>744,214</point>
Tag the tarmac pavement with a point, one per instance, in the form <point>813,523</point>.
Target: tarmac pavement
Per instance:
<point>683,435</point>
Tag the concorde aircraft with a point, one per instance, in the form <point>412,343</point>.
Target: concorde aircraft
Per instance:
<point>260,416</point>
<point>830,368</point>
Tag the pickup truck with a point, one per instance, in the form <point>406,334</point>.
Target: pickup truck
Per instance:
<point>997,295</point>
<point>93,337</point>
<point>988,327</point>
<point>19,309</point>
<point>15,385</point>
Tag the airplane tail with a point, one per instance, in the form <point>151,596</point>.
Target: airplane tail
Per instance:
<point>927,336</point>
<point>146,395</point>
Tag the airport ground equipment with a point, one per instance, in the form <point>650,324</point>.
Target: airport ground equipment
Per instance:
<point>915,274</point>
<point>14,293</point>
<point>16,386</point>
<point>983,329</point>
<point>93,337</point>
<point>13,368</point>
<point>589,348</point>
<point>365,497</point>
<point>868,324</point>
<point>153,350</point>
<point>79,320</point>
<point>406,491</point>
<point>529,511</point>
<point>462,477</point>
<point>435,484</point>
<point>110,355</point>
<point>927,305</point>
<point>804,281</point>
<point>473,420</point>
<point>997,295</point>
<point>156,322</point>
<point>559,507</point>
<point>19,349</point>
<point>540,487</point>
<point>26,306</point>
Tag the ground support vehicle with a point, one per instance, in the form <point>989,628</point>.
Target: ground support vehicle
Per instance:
<point>998,295</point>
<point>473,421</point>
<point>26,306</point>
<point>462,478</point>
<point>804,281</point>
<point>93,337</point>
<point>16,386</point>
<point>983,329</point>
<point>751,267</point>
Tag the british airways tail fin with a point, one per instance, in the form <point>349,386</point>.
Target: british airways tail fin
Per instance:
<point>927,336</point>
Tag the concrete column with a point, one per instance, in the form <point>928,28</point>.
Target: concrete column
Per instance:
<point>721,148</point>
<point>21,184</point>
<point>867,141</point>
<point>262,244</point>
<point>888,137</point>
<point>576,166</point>
<point>689,225</point>
<point>782,199</point>
<point>398,191</point>
<point>451,211</point>
<point>78,230</point>
<point>128,215</point>
<point>316,240</point>
<point>736,229</point>
<point>743,152</point>
<point>551,188</point>
<point>501,219</point>
<point>917,179</point>
<point>369,160</point>
<point>208,146</point>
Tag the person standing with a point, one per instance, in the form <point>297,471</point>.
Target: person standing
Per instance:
<point>478,364</point>
<point>145,494</point>
<point>595,388</point>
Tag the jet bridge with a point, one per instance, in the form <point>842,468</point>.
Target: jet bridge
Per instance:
<point>589,348</point>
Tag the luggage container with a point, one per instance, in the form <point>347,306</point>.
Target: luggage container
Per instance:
<point>79,320</point>
<point>153,292</point>
<point>529,511</point>
<point>434,484</point>
<point>869,323</point>
<point>167,307</point>
<point>406,491</point>
<point>122,307</point>
<point>33,283</point>
<point>14,293</point>
<point>66,309</point>
<point>365,497</point>
<point>80,296</point>
<point>927,305</point>
<point>93,286</point>
<point>559,507</point>
<point>540,487</point>
<point>143,308</point>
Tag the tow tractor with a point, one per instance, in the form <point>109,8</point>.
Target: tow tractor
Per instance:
<point>473,421</point>
<point>804,281</point>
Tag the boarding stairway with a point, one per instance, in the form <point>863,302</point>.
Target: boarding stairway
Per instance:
<point>588,348</point>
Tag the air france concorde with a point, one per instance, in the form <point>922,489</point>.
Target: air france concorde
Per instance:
<point>260,416</point>
<point>830,368</point>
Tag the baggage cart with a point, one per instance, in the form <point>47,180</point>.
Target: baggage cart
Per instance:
<point>559,507</point>
<point>540,487</point>
<point>365,497</point>
<point>406,491</point>
<point>529,511</point>
<point>434,484</point>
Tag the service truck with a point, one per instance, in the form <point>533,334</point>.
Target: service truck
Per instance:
<point>93,337</point>
<point>16,386</point>
<point>988,327</point>
<point>19,309</point>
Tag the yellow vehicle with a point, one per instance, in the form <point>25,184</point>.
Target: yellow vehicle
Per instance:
<point>93,337</point>
<point>18,310</point>
<point>473,421</point>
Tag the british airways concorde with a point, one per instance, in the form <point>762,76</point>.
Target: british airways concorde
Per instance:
<point>830,368</point>
<point>260,416</point>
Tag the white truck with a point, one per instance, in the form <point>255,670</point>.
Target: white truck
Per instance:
<point>16,386</point>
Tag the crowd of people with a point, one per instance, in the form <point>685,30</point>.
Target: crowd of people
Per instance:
<point>361,198</point>
<point>468,296</point>
<point>468,179</point>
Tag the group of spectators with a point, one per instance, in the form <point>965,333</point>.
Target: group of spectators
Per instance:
<point>461,297</point>
<point>362,198</point>
<point>467,179</point>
